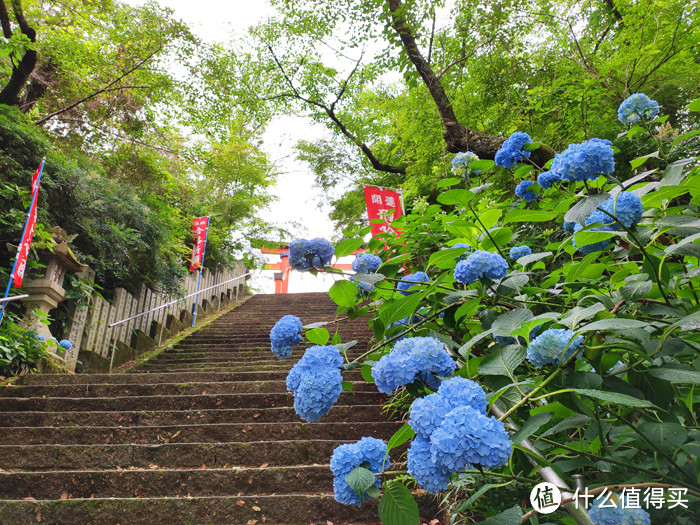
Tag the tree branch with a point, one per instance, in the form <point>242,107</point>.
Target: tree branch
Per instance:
<point>457,137</point>
<point>20,73</point>
<point>104,89</point>
<point>330,111</point>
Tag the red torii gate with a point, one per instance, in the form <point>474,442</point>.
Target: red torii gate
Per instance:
<point>283,267</point>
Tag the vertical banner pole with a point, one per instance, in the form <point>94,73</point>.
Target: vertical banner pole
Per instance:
<point>201,267</point>
<point>35,194</point>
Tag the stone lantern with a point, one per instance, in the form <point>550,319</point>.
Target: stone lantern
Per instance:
<point>46,292</point>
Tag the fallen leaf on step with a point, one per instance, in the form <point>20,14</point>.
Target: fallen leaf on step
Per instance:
<point>65,495</point>
<point>264,465</point>
<point>203,467</point>
<point>329,523</point>
<point>252,522</point>
<point>240,503</point>
<point>256,509</point>
<point>153,466</point>
<point>29,498</point>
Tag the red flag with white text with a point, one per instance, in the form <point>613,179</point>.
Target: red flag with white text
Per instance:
<point>200,227</point>
<point>26,243</point>
<point>385,205</point>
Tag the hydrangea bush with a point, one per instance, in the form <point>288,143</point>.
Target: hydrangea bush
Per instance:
<point>498,370</point>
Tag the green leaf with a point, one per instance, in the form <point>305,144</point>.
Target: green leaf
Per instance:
<point>529,216</point>
<point>617,323</point>
<point>481,164</point>
<point>401,436</point>
<point>533,257</point>
<point>583,208</point>
<point>399,309</point>
<point>467,309</point>
<point>451,181</point>
<point>667,436</point>
<point>531,426</point>
<point>482,490</point>
<point>455,197</point>
<point>397,506</point>
<point>511,321</point>
<point>502,361</point>
<point>347,246</point>
<point>511,516</point>
<point>318,336</point>
<point>490,217</point>
<point>635,163</point>
<point>675,375</point>
<point>694,105</point>
<point>613,397</point>
<point>446,258</point>
<point>636,289</point>
<point>366,372</point>
<point>584,238</point>
<point>372,278</point>
<point>347,386</point>
<point>656,198</point>
<point>343,293</point>
<point>360,479</point>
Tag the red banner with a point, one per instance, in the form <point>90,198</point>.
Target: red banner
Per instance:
<point>199,230</point>
<point>385,205</point>
<point>23,251</point>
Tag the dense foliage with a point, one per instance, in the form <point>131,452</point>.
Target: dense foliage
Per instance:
<point>584,348</point>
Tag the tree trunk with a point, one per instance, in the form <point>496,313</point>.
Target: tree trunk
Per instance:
<point>10,94</point>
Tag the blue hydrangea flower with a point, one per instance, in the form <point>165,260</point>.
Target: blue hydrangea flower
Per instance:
<point>348,457</point>
<point>516,252</point>
<point>617,515</point>
<point>547,179</point>
<point>362,287</point>
<point>464,246</point>
<point>316,382</point>
<point>569,226</point>
<point>550,348</point>
<point>585,161</point>
<point>408,359</point>
<point>460,164</point>
<point>410,281</point>
<point>42,338</point>
<point>285,333</point>
<point>481,264</point>
<point>65,344</point>
<point>366,263</point>
<point>316,253</point>
<point>626,207</point>
<point>427,413</point>
<point>467,436</point>
<point>637,106</point>
<point>512,151</point>
<point>430,476</point>
<point>522,191</point>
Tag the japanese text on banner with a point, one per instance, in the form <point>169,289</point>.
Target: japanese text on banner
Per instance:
<point>199,231</point>
<point>385,205</point>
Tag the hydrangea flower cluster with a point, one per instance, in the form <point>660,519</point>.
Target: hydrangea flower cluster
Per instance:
<point>348,457</point>
<point>362,287</point>
<point>516,252</point>
<point>512,151</point>
<point>626,207</point>
<point>411,358</point>
<point>585,161</point>
<point>452,432</point>
<point>637,106</point>
<point>620,514</point>
<point>521,190</point>
<point>316,253</point>
<point>551,348</point>
<point>411,280</point>
<point>65,344</point>
<point>460,164</point>
<point>316,382</point>
<point>285,333</point>
<point>366,263</point>
<point>481,264</point>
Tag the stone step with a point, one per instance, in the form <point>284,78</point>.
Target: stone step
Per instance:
<point>278,509</point>
<point>150,483</point>
<point>339,413</point>
<point>195,433</point>
<point>167,455</point>
<point>151,389</point>
<point>128,379</point>
<point>176,402</point>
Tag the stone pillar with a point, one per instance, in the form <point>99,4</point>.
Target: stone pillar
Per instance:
<point>76,326</point>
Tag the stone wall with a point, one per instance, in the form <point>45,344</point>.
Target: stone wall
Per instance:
<point>99,347</point>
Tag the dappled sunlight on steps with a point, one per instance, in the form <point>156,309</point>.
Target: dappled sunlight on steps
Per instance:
<point>205,433</point>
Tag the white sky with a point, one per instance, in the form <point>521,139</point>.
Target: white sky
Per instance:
<point>219,21</point>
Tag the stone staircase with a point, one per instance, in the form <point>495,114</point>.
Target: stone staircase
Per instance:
<point>204,434</point>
